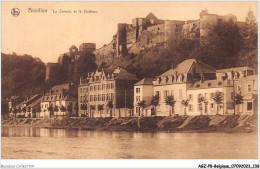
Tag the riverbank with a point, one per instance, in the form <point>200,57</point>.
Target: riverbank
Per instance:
<point>216,123</point>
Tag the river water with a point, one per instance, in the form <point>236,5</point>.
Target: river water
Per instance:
<point>43,143</point>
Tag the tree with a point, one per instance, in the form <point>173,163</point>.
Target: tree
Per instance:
<point>15,111</point>
<point>69,108</point>
<point>155,102</point>
<point>62,108</point>
<point>250,31</point>
<point>76,108</point>
<point>56,109</point>
<point>220,44</point>
<point>201,99</point>
<point>110,106</point>
<point>218,99</point>
<point>100,109</point>
<point>238,100</point>
<point>92,108</point>
<point>4,108</point>
<point>142,105</point>
<point>50,109</point>
<point>169,100</point>
<point>185,103</point>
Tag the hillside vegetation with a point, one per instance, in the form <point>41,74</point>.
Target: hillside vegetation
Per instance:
<point>21,75</point>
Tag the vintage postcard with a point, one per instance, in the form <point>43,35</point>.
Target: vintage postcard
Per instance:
<point>129,80</point>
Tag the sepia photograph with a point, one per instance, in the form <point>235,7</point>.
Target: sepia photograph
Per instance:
<point>173,80</point>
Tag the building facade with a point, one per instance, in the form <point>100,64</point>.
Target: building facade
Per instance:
<point>175,82</point>
<point>108,93</point>
<point>60,101</point>
<point>143,91</point>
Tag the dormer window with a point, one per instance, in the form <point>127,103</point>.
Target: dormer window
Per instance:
<point>180,78</point>
<point>209,84</point>
<point>198,85</point>
<point>172,78</point>
<point>219,83</point>
<point>166,79</point>
<point>236,75</point>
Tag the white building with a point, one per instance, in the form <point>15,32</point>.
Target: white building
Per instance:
<point>205,90</point>
<point>143,91</point>
<point>175,82</point>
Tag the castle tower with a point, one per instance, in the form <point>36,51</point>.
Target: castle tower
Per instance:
<point>87,47</point>
<point>121,49</point>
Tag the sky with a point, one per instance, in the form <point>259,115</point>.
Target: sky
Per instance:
<point>47,35</point>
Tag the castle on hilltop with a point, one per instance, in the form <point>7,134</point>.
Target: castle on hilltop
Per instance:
<point>150,31</point>
<point>141,34</point>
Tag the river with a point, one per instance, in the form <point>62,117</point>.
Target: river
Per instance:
<point>43,143</point>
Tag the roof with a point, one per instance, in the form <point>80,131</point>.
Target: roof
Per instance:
<point>31,99</point>
<point>185,66</point>
<point>124,75</point>
<point>70,98</point>
<point>60,87</point>
<point>210,84</point>
<point>145,81</point>
<point>33,104</point>
<point>151,16</point>
<point>234,69</point>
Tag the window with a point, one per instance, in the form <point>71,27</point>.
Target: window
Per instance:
<point>137,90</point>
<point>190,97</point>
<point>238,89</point>
<point>200,107</point>
<point>212,107</point>
<point>180,94</point>
<point>84,98</point>
<point>103,86</point>
<point>112,85</point>
<point>99,87</point>
<point>108,96</point>
<point>103,97</point>
<point>95,97</point>
<point>84,90</point>
<point>91,98</point>
<point>80,98</point>
<point>112,96</point>
<point>91,88</point>
<point>206,95</point>
<point>211,96</point>
<point>232,95</point>
<point>190,108</point>
<point>99,97</point>
<point>137,99</point>
<point>108,86</point>
<point>80,90</point>
<point>249,89</point>
<point>249,106</point>
<point>166,93</point>
<point>206,108</point>
<point>95,88</point>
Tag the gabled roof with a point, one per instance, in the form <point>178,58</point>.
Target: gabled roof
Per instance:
<point>151,16</point>
<point>236,69</point>
<point>31,99</point>
<point>145,81</point>
<point>70,98</point>
<point>185,66</point>
<point>123,74</point>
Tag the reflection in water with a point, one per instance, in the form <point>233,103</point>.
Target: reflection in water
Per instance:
<point>30,142</point>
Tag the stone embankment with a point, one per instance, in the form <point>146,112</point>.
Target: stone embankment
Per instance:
<point>217,123</point>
